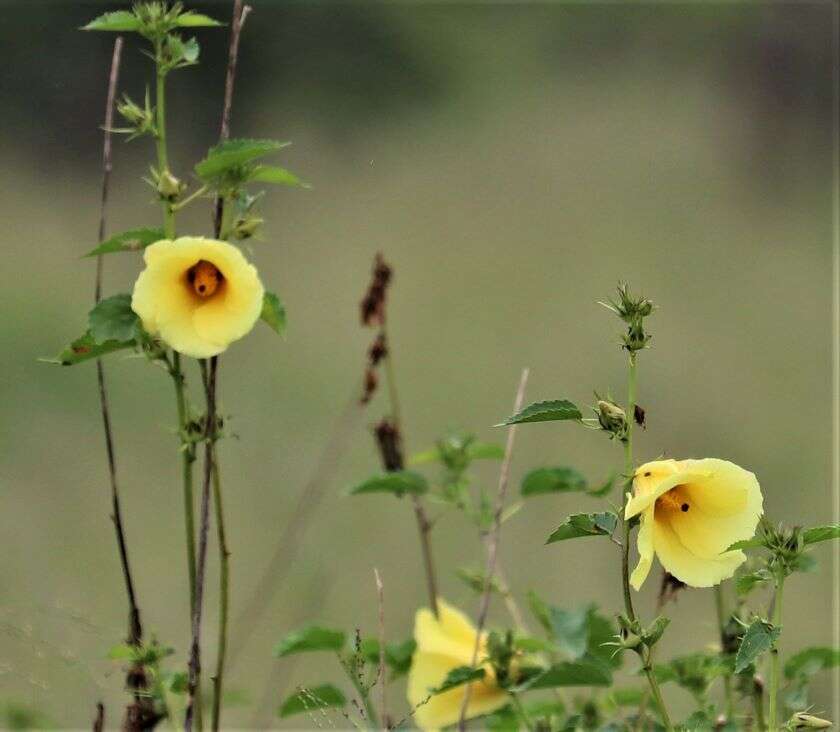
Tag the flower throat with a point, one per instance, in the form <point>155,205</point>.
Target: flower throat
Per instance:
<point>205,278</point>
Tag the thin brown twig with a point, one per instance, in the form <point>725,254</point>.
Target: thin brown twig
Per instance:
<point>383,681</point>
<point>99,719</point>
<point>493,541</point>
<point>135,631</point>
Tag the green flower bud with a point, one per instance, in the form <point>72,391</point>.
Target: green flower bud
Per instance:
<point>246,227</point>
<point>169,187</point>
<point>800,720</point>
<point>612,418</point>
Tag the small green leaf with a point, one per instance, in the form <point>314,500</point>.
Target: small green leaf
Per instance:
<point>533,645</point>
<point>754,543</point>
<point>191,19</point>
<point>176,682</point>
<point>821,533</point>
<point>120,20</point>
<point>112,319</point>
<point>585,672</point>
<point>122,652</point>
<point>585,524</point>
<point>812,660</point>
<point>746,583</point>
<point>133,240</point>
<point>273,313</point>
<point>549,411</point>
<point>398,482</point>
<point>313,638</point>
<point>86,348</point>
<point>602,631</point>
<point>305,700</point>
<point>457,677</point>
<point>553,480</point>
<point>233,153</point>
<point>485,451</point>
<point>275,174</point>
<point>397,655</point>
<point>760,637</point>
<point>190,51</point>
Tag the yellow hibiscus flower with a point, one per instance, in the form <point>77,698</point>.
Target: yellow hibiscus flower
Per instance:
<point>444,644</point>
<point>199,295</point>
<point>691,511</point>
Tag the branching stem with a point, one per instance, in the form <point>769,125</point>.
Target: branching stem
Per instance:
<point>775,658</point>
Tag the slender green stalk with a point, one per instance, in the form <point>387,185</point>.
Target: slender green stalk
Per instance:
<point>187,447</point>
<point>224,596</point>
<point>727,679</point>
<point>522,712</point>
<point>775,659</point>
<point>364,694</point>
<point>647,655</point>
<point>162,153</point>
<point>758,704</point>
<point>189,199</point>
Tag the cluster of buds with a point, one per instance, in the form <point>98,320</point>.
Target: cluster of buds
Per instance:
<point>633,311</point>
<point>786,546</point>
<point>141,120</point>
<point>612,418</point>
<point>632,636</point>
<point>372,311</point>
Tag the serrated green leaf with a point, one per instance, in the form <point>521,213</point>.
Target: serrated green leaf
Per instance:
<point>585,524</point>
<point>458,677</point>
<point>119,20</point>
<point>275,174</point>
<point>759,637</point>
<point>233,153</point>
<point>548,411</point>
<point>754,543</point>
<point>133,240</point>
<point>273,313</point>
<point>553,480</point>
<point>811,660</point>
<point>112,319</point>
<point>192,19</point>
<point>746,583</point>
<point>585,672</point>
<point>313,638</point>
<point>601,631</point>
<point>398,482</point>
<point>305,700</point>
<point>570,630</point>
<point>86,348</point>
<point>821,533</point>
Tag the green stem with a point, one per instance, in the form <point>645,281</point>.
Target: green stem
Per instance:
<point>224,583</point>
<point>187,447</point>
<point>775,659</point>
<point>647,657</point>
<point>521,712</point>
<point>727,679</point>
<point>225,225</point>
<point>162,153</point>
<point>189,199</point>
<point>364,694</point>
<point>758,703</point>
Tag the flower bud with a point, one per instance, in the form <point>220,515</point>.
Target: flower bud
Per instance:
<point>246,227</point>
<point>612,418</point>
<point>169,187</point>
<point>800,720</point>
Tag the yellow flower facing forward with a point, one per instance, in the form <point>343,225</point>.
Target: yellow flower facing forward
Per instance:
<point>442,645</point>
<point>199,295</point>
<point>691,511</point>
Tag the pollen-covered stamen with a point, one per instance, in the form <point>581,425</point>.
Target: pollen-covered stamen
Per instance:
<point>205,278</point>
<point>673,500</point>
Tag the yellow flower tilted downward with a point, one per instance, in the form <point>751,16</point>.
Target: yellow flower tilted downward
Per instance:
<point>442,645</point>
<point>199,295</point>
<point>691,511</point>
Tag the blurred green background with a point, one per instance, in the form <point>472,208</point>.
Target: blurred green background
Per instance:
<point>512,161</point>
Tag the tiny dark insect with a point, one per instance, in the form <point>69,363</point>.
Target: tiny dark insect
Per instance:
<point>684,508</point>
<point>647,475</point>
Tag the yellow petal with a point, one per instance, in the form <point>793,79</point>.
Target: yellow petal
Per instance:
<point>644,542</point>
<point>642,501</point>
<point>688,567</point>
<point>453,635</point>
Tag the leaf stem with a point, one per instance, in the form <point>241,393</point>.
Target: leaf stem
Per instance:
<point>189,199</point>
<point>727,679</point>
<point>775,659</point>
<point>646,653</point>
